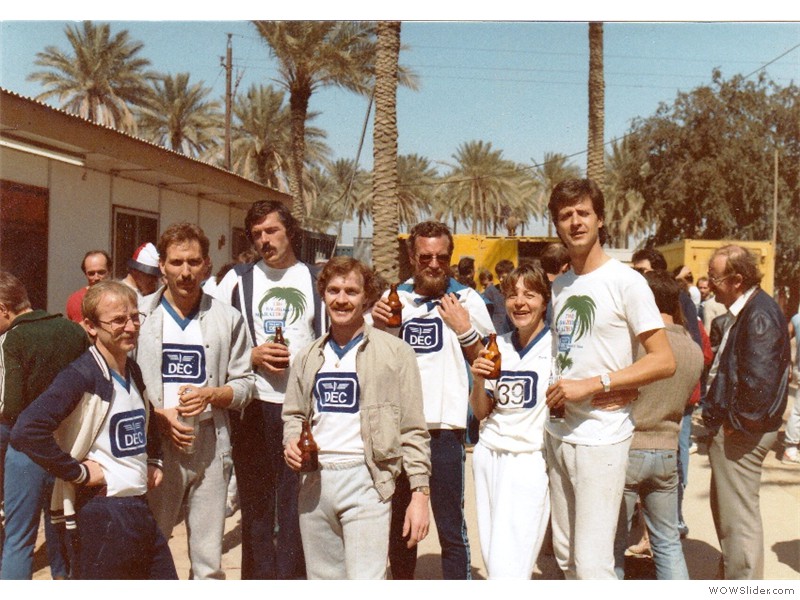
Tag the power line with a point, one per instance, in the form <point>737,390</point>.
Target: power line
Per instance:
<point>773,60</point>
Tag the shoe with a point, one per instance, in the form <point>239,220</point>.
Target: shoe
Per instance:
<point>790,459</point>
<point>640,550</point>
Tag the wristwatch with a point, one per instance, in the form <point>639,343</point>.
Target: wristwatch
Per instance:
<point>605,379</point>
<point>423,489</point>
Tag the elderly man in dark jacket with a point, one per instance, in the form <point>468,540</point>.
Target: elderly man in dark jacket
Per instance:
<point>749,384</point>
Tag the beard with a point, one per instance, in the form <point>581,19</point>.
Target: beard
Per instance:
<point>430,285</point>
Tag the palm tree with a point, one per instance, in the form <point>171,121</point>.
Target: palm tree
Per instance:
<point>310,55</point>
<point>481,185</point>
<point>101,80</point>
<point>595,167</point>
<point>549,173</point>
<point>385,217</point>
<point>179,117</point>
<point>294,302</point>
<point>583,309</point>
<point>260,144</point>
<point>416,188</point>
<point>626,214</point>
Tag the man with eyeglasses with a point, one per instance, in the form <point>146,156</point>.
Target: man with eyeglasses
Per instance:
<point>195,361</point>
<point>34,348</point>
<point>747,396</point>
<point>95,266</point>
<point>108,453</point>
<point>444,322</point>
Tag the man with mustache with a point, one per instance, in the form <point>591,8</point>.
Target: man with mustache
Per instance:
<point>195,360</point>
<point>444,322</point>
<point>276,291</point>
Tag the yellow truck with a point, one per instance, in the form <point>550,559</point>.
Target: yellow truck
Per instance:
<point>696,253</point>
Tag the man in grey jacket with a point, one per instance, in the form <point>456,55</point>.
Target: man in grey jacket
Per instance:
<point>195,361</point>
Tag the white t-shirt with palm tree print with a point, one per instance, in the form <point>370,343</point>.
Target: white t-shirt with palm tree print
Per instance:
<point>596,320</point>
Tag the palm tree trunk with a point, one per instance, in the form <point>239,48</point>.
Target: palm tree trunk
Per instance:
<point>298,107</point>
<point>385,247</point>
<point>595,168</point>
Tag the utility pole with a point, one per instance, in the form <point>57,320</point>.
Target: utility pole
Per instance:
<point>228,69</point>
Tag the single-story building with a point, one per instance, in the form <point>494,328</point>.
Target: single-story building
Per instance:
<point>68,185</point>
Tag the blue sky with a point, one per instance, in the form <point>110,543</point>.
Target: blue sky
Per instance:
<point>519,85</point>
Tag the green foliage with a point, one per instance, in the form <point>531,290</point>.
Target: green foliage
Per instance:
<point>100,80</point>
<point>705,166</point>
<point>180,117</point>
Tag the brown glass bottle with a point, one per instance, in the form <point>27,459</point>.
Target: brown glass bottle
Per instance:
<point>396,320</point>
<point>493,354</point>
<point>278,337</point>
<point>308,449</point>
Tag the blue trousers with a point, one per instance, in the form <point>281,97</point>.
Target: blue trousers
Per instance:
<point>652,475</point>
<point>118,539</point>
<point>447,501</point>
<point>26,493</point>
<point>268,491</point>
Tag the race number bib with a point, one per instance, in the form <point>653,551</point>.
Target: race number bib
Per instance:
<point>423,335</point>
<point>183,364</point>
<point>127,431</point>
<point>516,389</point>
<point>336,392</point>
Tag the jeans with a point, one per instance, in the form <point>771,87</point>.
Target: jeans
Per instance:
<point>198,482</point>
<point>684,442</point>
<point>27,490</point>
<point>119,539</point>
<point>652,475</point>
<point>344,522</point>
<point>268,491</point>
<point>447,502</point>
<point>793,422</point>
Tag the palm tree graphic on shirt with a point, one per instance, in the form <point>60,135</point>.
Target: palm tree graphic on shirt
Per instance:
<point>294,302</point>
<point>582,310</point>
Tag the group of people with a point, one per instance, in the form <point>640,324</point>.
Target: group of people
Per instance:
<point>142,414</point>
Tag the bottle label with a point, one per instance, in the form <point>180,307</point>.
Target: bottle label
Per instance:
<point>516,389</point>
<point>423,335</point>
<point>337,392</point>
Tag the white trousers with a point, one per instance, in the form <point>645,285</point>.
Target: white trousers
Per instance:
<point>513,508</point>
<point>344,524</point>
<point>586,485</point>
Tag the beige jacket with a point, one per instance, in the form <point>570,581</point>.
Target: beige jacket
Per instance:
<point>392,421</point>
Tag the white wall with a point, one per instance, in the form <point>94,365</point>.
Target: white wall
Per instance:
<point>81,202</point>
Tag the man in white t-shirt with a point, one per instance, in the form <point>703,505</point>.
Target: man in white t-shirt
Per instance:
<point>601,310</point>
<point>278,291</point>
<point>195,361</point>
<point>444,322</point>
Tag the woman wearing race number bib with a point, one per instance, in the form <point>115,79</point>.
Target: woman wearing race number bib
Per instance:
<point>511,485</point>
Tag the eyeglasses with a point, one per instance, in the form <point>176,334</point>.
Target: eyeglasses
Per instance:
<point>93,273</point>
<point>718,280</point>
<point>121,321</point>
<point>428,258</point>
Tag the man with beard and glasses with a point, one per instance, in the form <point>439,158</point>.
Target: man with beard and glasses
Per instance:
<point>444,322</point>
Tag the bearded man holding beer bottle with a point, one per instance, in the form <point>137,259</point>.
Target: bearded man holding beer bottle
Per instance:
<point>360,389</point>
<point>444,322</point>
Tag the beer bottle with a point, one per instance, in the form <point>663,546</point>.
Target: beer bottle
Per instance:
<point>557,413</point>
<point>493,354</point>
<point>278,339</point>
<point>396,320</point>
<point>308,449</point>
